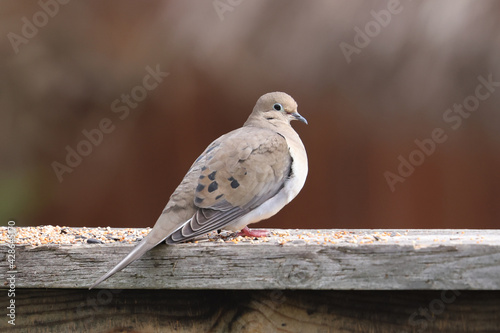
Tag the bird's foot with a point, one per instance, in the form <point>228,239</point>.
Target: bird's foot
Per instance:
<point>253,233</point>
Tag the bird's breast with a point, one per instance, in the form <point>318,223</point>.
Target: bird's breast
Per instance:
<point>299,167</point>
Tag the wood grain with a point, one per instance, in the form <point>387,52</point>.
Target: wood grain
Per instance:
<point>70,310</point>
<point>359,260</point>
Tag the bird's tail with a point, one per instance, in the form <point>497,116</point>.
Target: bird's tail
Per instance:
<point>156,236</point>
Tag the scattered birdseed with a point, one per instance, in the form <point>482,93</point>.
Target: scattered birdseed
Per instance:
<point>55,235</point>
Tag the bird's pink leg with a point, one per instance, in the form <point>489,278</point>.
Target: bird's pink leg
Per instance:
<point>253,233</point>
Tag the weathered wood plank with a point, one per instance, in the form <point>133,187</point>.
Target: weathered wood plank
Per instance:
<point>70,310</point>
<point>306,259</point>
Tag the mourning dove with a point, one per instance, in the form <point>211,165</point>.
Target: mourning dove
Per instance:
<point>243,177</point>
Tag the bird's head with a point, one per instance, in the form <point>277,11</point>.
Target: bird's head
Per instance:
<point>277,107</point>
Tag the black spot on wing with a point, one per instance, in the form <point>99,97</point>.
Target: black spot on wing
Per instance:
<point>213,186</point>
<point>234,182</point>
<point>212,175</point>
<point>200,187</point>
<point>219,196</point>
<point>198,200</point>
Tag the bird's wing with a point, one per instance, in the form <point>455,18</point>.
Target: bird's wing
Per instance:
<point>236,174</point>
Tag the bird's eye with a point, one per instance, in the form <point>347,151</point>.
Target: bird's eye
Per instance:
<point>277,107</point>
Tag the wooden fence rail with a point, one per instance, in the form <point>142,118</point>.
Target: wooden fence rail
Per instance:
<point>294,280</point>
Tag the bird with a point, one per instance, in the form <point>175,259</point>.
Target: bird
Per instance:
<point>243,177</point>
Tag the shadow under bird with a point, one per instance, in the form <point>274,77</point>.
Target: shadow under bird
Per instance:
<point>243,177</point>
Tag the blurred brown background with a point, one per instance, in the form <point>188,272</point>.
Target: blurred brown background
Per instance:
<point>364,110</point>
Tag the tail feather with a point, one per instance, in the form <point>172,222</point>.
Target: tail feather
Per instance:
<point>156,236</point>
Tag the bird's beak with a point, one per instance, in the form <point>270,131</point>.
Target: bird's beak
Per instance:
<point>297,116</point>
